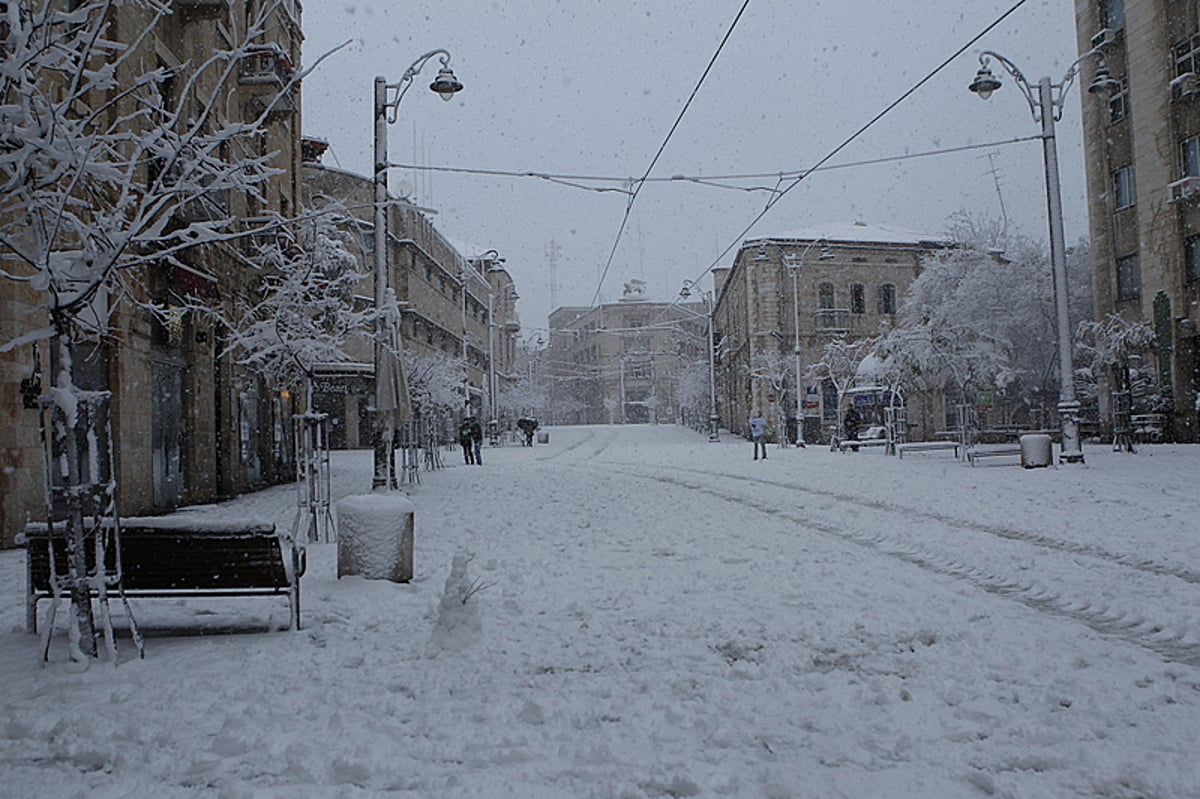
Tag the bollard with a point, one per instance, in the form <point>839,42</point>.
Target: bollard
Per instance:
<point>375,537</point>
<point>1037,450</point>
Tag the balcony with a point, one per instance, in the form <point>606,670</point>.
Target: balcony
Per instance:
<point>1184,86</point>
<point>832,321</point>
<point>1185,190</point>
<point>265,64</point>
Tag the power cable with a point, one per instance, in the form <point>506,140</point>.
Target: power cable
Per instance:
<point>775,198</point>
<point>638,186</point>
<point>577,181</point>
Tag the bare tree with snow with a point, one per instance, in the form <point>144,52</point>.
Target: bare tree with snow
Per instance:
<point>112,165</point>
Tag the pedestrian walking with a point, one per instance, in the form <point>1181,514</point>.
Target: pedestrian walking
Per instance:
<point>477,440</point>
<point>528,425</point>
<point>466,440</point>
<point>850,423</point>
<point>758,429</point>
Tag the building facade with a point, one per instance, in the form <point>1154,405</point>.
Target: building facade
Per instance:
<point>1142,150</point>
<point>619,363</point>
<point>785,297</point>
<point>456,306</point>
<point>190,424</point>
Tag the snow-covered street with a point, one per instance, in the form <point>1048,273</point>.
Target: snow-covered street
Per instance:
<point>657,616</point>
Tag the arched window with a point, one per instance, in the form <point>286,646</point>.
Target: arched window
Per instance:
<point>825,296</point>
<point>858,298</point>
<point>887,299</point>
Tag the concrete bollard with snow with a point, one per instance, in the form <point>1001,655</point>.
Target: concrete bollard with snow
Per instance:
<point>375,537</point>
<point>1037,450</point>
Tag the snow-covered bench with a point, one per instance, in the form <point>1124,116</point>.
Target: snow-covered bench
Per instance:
<point>171,556</point>
<point>974,455</point>
<point>854,443</point>
<point>925,446</point>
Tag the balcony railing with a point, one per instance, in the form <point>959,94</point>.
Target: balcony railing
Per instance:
<point>832,320</point>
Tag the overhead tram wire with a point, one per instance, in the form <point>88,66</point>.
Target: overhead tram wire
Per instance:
<point>637,188</point>
<point>776,197</point>
<point>779,195</point>
<point>578,181</point>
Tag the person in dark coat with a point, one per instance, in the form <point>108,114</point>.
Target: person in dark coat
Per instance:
<point>850,423</point>
<point>477,440</point>
<point>466,440</point>
<point>527,426</point>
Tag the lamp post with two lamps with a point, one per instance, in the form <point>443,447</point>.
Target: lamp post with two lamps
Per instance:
<point>713,417</point>
<point>386,105</point>
<point>1046,104</point>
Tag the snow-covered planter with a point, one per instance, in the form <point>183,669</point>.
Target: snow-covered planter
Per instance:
<point>375,537</point>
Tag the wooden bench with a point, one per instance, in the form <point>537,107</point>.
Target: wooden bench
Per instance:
<point>1148,428</point>
<point>974,455</point>
<point>173,557</point>
<point>925,446</point>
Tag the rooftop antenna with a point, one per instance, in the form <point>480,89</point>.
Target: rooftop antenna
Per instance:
<point>996,178</point>
<point>552,253</point>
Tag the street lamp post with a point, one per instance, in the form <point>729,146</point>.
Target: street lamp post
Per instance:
<point>713,418</point>
<point>1046,104</point>
<point>794,266</point>
<point>385,111</point>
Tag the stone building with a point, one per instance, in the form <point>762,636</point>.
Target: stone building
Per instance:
<point>190,424</point>
<point>618,363</point>
<point>1143,180</point>
<point>791,294</point>
<point>459,306</point>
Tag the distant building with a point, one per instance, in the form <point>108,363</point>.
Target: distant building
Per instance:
<point>1143,179</point>
<point>618,363</point>
<point>838,280</point>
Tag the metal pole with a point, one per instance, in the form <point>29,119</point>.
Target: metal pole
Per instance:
<point>713,418</point>
<point>384,420</point>
<point>796,355</point>
<point>466,359</point>
<point>492,367</point>
<point>622,389</point>
<point>1068,406</point>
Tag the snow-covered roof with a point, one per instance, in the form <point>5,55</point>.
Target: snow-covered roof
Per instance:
<point>467,249</point>
<point>856,232</point>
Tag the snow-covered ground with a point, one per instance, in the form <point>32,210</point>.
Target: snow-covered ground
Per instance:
<point>657,616</point>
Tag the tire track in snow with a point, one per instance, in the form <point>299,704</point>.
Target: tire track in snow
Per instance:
<point>1037,539</point>
<point>1105,619</point>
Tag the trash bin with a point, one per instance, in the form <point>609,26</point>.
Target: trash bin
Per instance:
<point>1037,450</point>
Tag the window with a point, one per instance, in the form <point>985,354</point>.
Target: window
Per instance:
<point>1123,189</point>
<point>1118,102</point>
<point>829,401</point>
<point>825,296</point>
<point>1190,156</point>
<point>1112,14</point>
<point>886,298</point>
<point>1129,278</point>
<point>1187,55</point>
<point>858,298</point>
<point>1191,257</point>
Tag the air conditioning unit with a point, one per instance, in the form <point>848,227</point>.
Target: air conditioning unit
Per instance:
<point>1104,38</point>
<point>1185,85</point>
<point>1184,190</point>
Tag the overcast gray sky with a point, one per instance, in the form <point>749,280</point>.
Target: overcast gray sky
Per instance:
<point>592,87</point>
